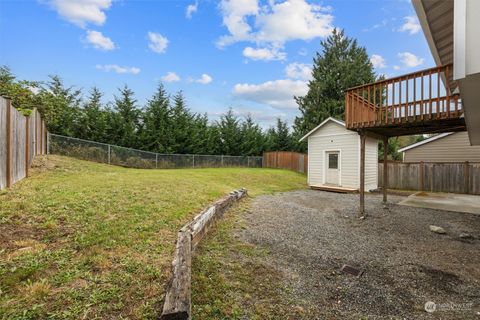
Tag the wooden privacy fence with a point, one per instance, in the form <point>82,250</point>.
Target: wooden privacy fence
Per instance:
<point>21,138</point>
<point>286,160</point>
<point>455,177</point>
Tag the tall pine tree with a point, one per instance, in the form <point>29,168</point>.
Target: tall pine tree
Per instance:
<point>340,65</point>
<point>126,119</point>
<point>156,134</point>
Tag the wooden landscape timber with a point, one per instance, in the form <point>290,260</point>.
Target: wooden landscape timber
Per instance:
<point>177,305</point>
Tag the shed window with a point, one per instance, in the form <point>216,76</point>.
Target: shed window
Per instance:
<point>333,161</point>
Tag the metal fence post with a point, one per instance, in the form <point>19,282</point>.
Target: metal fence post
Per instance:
<point>193,164</point>
<point>156,160</point>
<point>109,154</point>
<point>248,162</point>
<point>222,159</point>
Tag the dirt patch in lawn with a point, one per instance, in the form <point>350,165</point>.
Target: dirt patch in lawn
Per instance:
<point>309,235</point>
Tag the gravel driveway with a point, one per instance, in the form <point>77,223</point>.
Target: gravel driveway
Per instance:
<point>311,234</point>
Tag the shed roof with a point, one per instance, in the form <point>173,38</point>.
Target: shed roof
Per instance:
<point>440,136</point>
<point>321,124</point>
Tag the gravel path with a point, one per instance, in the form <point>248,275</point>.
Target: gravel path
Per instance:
<point>311,234</point>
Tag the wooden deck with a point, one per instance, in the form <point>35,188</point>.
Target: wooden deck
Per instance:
<point>420,102</point>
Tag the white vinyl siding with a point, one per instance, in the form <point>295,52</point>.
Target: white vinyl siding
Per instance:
<point>333,137</point>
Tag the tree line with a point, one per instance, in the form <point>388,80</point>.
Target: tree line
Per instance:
<point>164,124</point>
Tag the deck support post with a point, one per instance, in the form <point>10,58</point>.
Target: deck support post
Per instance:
<point>385,169</point>
<point>362,174</point>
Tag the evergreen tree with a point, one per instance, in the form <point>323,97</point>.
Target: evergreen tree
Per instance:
<point>60,106</point>
<point>342,64</point>
<point>156,135</point>
<point>182,121</point>
<point>252,138</point>
<point>125,121</point>
<point>92,123</point>
<point>279,138</point>
<point>230,133</point>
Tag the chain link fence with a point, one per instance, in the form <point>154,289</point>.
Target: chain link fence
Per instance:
<point>133,158</point>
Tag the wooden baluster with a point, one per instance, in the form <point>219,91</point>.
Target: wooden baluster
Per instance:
<point>456,105</point>
<point>447,86</point>
<point>438,94</point>
<point>421,99</point>
<point>369,102</point>
<point>400,99</point>
<point>407,105</point>
<point>393,103</point>
<point>386,103</point>
<point>430,94</point>
<point>375,104</point>
<point>415,98</point>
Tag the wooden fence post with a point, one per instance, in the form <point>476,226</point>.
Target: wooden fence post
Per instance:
<point>466,173</point>
<point>45,137</point>
<point>9,144</point>
<point>27,145</point>
<point>420,176</point>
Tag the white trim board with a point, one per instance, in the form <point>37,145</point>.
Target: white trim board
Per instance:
<point>324,178</point>
<point>320,125</point>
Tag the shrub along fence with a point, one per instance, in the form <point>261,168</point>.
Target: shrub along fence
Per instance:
<point>21,139</point>
<point>455,177</point>
<point>286,160</point>
<point>133,158</point>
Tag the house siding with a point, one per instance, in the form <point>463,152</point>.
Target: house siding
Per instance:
<point>452,148</point>
<point>330,137</point>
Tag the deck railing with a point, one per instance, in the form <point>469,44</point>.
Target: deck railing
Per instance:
<point>416,97</point>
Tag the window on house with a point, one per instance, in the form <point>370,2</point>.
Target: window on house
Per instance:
<point>333,161</point>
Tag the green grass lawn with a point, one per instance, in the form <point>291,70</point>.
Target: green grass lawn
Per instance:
<point>81,240</point>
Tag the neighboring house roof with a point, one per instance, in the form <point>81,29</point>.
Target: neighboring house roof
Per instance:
<point>320,125</point>
<point>440,136</point>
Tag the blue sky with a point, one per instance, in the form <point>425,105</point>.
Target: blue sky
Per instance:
<point>247,54</point>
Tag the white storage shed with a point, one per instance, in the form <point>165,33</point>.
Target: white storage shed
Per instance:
<point>334,158</point>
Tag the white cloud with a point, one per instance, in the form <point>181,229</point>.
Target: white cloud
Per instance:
<point>191,9</point>
<point>277,93</point>
<point>274,23</point>
<point>99,41</point>
<point>299,71</point>
<point>411,25</point>
<point>170,77</point>
<point>410,60</point>
<point>157,42</point>
<point>264,54</point>
<point>396,67</point>
<point>81,12</point>
<point>118,69</point>
<point>204,79</point>
<point>377,61</point>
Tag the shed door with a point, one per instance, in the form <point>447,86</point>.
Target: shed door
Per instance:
<point>333,168</point>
